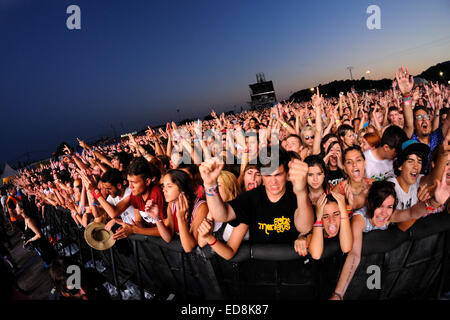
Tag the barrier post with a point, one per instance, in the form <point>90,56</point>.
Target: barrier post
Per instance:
<point>138,266</point>
<point>113,263</point>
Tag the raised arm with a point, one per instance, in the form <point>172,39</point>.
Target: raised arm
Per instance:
<point>317,101</point>
<point>406,84</point>
<point>210,171</point>
<point>304,214</point>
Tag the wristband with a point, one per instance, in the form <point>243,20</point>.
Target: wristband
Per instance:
<point>96,194</point>
<point>212,190</point>
<point>337,295</point>
<point>213,243</point>
<point>318,223</point>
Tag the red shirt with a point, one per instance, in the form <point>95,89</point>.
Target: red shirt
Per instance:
<point>156,195</point>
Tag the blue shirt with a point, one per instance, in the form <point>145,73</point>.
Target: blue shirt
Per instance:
<point>436,138</point>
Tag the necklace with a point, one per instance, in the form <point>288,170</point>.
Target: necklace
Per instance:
<point>362,188</point>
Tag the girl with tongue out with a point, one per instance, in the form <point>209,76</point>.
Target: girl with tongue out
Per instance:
<point>332,218</point>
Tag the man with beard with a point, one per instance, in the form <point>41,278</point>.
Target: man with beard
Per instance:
<point>409,167</point>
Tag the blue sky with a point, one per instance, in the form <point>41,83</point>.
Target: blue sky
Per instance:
<point>133,63</point>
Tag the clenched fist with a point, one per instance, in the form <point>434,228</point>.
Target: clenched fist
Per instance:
<point>298,172</point>
<point>210,171</point>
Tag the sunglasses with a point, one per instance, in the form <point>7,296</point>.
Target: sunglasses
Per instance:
<point>309,137</point>
<point>423,117</point>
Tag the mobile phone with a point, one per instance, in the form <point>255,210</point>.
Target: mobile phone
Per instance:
<point>147,217</point>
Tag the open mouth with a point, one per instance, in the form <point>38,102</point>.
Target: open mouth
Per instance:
<point>251,185</point>
<point>332,229</point>
<point>413,175</point>
<point>381,221</point>
<point>356,173</point>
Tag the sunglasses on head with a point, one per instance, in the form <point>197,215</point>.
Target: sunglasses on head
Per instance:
<point>423,117</point>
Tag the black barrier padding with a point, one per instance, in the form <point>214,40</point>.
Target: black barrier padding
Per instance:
<point>421,269</point>
<point>378,241</point>
<point>436,223</point>
<point>274,252</point>
<point>412,265</point>
<point>156,267</point>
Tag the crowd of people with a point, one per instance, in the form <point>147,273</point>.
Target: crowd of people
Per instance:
<point>298,173</point>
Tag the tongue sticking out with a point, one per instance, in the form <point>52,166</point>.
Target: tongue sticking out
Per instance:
<point>332,228</point>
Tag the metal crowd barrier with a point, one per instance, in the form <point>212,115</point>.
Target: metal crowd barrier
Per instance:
<point>412,265</point>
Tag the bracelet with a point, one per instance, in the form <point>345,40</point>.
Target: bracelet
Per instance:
<point>96,194</point>
<point>344,218</point>
<point>318,223</point>
<point>212,190</point>
<point>213,243</point>
<point>337,295</point>
<point>433,204</point>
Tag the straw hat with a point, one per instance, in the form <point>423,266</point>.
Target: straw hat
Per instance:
<point>98,237</point>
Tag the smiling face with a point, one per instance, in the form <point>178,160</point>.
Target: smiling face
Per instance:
<point>315,177</point>
<point>331,219</point>
<point>382,214</point>
<point>354,165</point>
<point>410,169</point>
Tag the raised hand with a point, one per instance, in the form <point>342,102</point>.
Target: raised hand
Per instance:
<point>82,144</point>
<point>182,208</point>
<point>317,98</point>
<point>210,171</point>
<point>405,81</point>
<point>298,171</point>
<point>340,198</point>
<point>320,204</point>
<point>349,195</point>
<point>442,191</point>
<point>67,150</point>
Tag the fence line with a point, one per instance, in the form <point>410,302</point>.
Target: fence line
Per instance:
<point>413,265</point>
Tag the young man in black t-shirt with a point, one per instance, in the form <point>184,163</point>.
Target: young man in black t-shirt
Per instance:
<point>275,212</point>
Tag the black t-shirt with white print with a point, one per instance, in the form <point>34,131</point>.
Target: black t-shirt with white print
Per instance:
<point>268,222</point>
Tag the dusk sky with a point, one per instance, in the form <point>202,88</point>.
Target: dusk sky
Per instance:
<point>135,62</point>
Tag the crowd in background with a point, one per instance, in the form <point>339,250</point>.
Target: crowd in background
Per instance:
<point>299,173</point>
